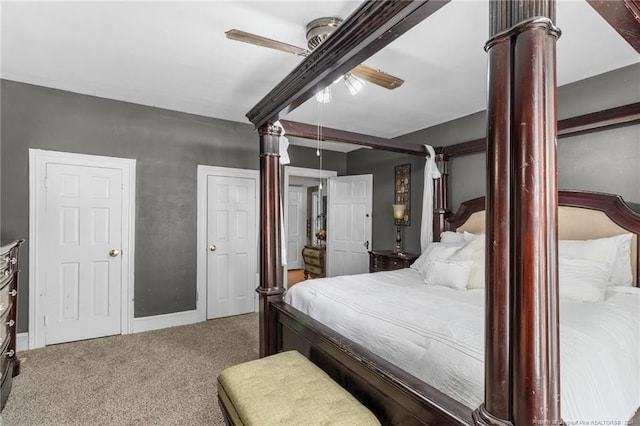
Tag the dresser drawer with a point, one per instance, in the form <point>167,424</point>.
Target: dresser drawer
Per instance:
<point>9,275</point>
<point>5,278</point>
<point>312,261</point>
<point>317,270</point>
<point>390,265</point>
<point>387,260</point>
<point>4,333</point>
<point>6,294</point>
<point>314,258</point>
<point>9,262</point>
<point>5,373</point>
<point>311,253</point>
<point>5,355</point>
<point>397,264</point>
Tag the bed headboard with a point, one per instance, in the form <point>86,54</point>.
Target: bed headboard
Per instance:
<point>581,216</point>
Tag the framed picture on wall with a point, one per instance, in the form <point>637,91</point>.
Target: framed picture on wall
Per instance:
<point>403,191</point>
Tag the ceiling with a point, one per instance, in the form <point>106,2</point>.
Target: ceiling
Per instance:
<point>174,55</point>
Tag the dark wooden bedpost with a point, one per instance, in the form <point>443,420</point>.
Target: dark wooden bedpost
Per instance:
<point>522,381</point>
<point>535,361</point>
<point>440,196</point>
<point>498,229</point>
<point>271,284</point>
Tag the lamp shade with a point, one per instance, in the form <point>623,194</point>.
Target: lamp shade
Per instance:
<point>398,211</point>
<point>354,84</point>
<point>324,96</point>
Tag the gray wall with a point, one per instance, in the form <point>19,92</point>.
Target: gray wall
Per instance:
<point>167,145</point>
<point>382,165</point>
<point>606,161</point>
<point>306,157</point>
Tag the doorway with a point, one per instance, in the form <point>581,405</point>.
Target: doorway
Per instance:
<point>296,226</point>
<point>299,177</point>
<point>81,229</point>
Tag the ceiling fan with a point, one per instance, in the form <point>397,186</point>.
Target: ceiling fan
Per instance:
<point>317,31</point>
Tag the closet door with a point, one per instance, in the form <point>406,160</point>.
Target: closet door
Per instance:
<point>81,234</point>
<point>80,252</point>
<point>231,234</point>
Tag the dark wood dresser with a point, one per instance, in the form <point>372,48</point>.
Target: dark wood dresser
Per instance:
<point>314,261</point>
<point>9,363</point>
<point>387,260</point>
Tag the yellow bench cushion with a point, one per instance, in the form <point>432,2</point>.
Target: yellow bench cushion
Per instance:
<point>288,389</point>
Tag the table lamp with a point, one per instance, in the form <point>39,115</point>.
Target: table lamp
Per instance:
<point>398,215</point>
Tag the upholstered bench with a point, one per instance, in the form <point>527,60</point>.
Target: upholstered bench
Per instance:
<point>287,389</point>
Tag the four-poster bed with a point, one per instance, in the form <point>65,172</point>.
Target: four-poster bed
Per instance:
<point>370,371</point>
<point>521,366</point>
<point>434,332</point>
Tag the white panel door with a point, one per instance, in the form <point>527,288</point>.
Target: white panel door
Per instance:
<point>350,202</point>
<point>80,252</point>
<point>231,233</point>
<point>296,226</point>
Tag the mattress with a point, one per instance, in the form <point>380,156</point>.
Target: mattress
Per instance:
<point>437,335</point>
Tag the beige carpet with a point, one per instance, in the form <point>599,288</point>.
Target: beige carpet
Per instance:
<point>162,377</point>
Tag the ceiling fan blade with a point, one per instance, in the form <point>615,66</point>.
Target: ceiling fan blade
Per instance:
<point>378,77</point>
<point>265,42</point>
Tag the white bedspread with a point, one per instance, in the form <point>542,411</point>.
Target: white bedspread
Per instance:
<point>436,334</point>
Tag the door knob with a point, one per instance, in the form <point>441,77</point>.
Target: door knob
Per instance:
<point>212,247</point>
<point>113,253</point>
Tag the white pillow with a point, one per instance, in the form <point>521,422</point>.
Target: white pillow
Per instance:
<point>451,237</point>
<point>448,273</point>
<point>582,280</point>
<point>613,252</point>
<point>436,251</point>
<point>622,273</point>
<point>474,252</point>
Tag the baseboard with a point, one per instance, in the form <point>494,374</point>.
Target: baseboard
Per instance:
<point>22,342</point>
<point>157,322</point>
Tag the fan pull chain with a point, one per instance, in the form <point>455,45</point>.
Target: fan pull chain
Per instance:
<point>319,107</point>
<point>320,137</point>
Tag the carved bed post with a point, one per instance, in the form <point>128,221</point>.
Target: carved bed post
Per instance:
<point>498,221</point>
<point>271,283</point>
<point>535,362</point>
<point>440,196</point>
<point>522,381</point>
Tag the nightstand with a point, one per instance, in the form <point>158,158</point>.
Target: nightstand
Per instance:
<point>387,260</point>
<point>313,261</point>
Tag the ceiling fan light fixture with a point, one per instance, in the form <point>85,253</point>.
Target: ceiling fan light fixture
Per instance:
<point>319,29</point>
<point>354,84</point>
<point>324,96</point>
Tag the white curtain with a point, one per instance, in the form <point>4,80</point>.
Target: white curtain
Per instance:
<point>284,159</point>
<point>431,172</point>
